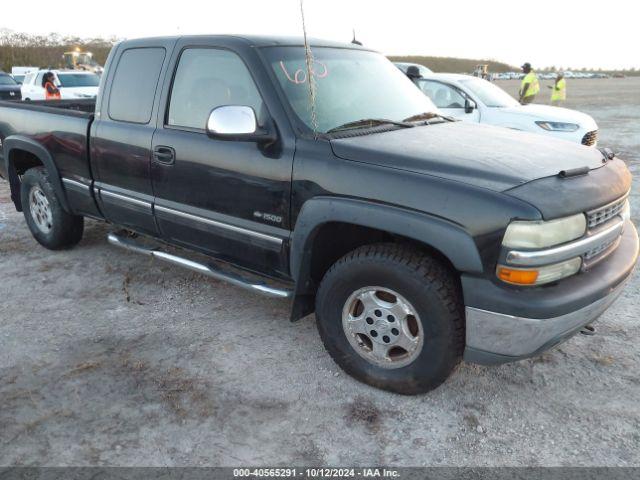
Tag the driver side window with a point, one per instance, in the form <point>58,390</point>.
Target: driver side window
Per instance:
<point>443,95</point>
<point>207,78</point>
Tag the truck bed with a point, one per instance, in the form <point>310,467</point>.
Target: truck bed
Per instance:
<point>85,106</point>
<point>61,127</point>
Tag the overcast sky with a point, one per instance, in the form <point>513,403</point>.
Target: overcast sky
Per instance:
<point>543,32</point>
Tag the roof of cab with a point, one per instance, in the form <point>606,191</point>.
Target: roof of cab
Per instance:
<point>259,40</point>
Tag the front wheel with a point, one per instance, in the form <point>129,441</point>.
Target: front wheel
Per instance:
<point>392,317</point>
<point>49,223</point>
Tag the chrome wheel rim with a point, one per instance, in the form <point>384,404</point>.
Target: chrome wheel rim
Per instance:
<point>382,327</point>
<point>40,209</point>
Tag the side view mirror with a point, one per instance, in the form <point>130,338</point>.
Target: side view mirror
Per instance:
<point>469,105</point>
<point>236,122</point>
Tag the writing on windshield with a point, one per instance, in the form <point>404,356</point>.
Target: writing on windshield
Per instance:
<point>300,74</point>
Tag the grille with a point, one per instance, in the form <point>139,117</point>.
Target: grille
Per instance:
<point>604,214</point>
<point>7,95</point>
<point>594,252</point>
<point>590,138</point>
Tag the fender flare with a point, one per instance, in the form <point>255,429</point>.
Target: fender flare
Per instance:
<point>18,142</point>
<point>448,238</point>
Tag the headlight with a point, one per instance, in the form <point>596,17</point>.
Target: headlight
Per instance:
<point>558,126</point>
<point>542,234</point>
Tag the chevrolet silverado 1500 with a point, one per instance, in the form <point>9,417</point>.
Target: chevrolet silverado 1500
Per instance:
<point>417,240</point>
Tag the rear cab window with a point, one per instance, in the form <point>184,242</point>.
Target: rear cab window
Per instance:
<point>70,80</point>
<point>134,85</point>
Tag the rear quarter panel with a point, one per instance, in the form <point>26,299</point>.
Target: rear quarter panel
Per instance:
<point>63,133</point>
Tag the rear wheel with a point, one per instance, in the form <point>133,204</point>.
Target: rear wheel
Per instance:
<point>392,317</point>
<point>48,222</point>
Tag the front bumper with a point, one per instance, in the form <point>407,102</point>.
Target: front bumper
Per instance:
<point>537,319</point>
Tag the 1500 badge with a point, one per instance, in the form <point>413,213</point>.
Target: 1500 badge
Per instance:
<point>269,217</point>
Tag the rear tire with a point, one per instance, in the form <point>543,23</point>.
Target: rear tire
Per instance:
<point>392,317</point>
<point>48,222</point>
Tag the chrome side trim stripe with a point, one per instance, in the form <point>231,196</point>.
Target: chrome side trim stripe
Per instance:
<point>565,252</point>
<point>74,183</point>
<point>215,223</point>
<point>125,198</point>
<point>170,211</point>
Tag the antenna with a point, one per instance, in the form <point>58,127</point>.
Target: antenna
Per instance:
<point>354,41</point>
<point>310,78</point>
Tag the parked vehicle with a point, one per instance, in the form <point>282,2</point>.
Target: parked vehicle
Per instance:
<point>9,88</point>
<point>481,71</point>
<point>79,60</point>
<point>73,84</point>
<point>18,78</point>
<point>18,73</point>
<point>403,66</point>
<point>416,240</point>
<point>476,100</point>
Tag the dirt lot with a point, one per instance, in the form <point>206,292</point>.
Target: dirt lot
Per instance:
<point>108,358</point>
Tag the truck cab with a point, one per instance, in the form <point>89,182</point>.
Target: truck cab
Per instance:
<point>417,240</point>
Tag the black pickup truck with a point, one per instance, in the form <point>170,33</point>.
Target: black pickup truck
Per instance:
<point>9,88</point>
<point>417,240</point>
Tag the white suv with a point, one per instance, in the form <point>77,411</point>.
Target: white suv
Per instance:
<point>73,84</point>
<point>476,100</point>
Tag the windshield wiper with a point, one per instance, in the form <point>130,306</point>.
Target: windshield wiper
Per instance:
<point>428,116</point>
<point>369,122</point>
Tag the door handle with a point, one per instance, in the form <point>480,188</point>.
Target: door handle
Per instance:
<point>165,155</point>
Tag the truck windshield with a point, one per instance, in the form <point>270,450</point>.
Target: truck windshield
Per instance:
<point>70,80</point>
<point>7,80</point>
<point>351,85</point>
<point>489,94</point>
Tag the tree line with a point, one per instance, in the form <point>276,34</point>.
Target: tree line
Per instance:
<point>22,49</point>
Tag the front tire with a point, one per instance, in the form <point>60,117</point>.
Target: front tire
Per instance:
<point>392,317</point>
<point>48,222</point>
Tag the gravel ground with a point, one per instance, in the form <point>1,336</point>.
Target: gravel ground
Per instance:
<point>108,358</point>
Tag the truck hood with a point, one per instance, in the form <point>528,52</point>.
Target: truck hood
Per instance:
<point>552,114</point>
<point>9,88</point>
<point>481,155</point>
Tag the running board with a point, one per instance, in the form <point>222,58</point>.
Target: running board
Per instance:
<point>209,270</point>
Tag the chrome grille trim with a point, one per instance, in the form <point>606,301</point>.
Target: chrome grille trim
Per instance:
<point>578,248</point>
<point>597,250</point>
<point>604,214</point>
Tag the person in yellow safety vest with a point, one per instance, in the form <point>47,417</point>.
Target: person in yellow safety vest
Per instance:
<point>558,90</point>
<point>530,85</point>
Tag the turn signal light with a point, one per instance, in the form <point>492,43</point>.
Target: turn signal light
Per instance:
<point>539,275</point>
<point>517,277</point>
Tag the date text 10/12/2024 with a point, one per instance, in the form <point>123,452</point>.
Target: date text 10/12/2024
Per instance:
<point>315,473</point>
